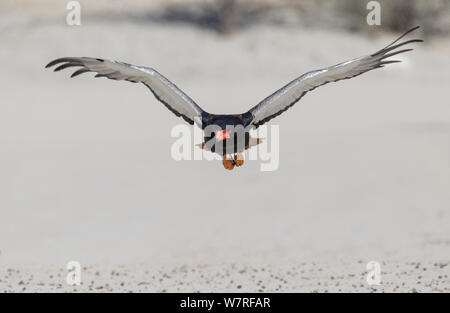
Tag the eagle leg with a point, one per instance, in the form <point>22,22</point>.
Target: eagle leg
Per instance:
<point>239,159</point>
<point>228,164</point>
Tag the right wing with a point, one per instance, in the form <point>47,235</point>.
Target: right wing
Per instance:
<point>287,96</point>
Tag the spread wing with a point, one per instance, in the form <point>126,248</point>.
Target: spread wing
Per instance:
<point>287,96</point>
<point>163,89</point>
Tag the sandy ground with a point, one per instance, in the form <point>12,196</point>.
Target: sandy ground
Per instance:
<point>86,172</point>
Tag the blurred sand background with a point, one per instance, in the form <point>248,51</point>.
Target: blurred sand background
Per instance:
<point>86,172</point>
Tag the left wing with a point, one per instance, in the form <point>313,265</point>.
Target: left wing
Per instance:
<point>287,96</point>
<point>162,88</point>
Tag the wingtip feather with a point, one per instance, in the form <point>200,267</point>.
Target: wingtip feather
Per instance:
<point>63,60</point>
<point>78,72</point>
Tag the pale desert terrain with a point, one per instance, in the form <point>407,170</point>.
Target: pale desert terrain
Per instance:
<point>86,172</point>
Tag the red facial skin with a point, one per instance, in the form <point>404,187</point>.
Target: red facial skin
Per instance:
<point>222,134</point>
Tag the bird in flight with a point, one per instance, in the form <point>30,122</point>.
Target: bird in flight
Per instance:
<point>228,134</point>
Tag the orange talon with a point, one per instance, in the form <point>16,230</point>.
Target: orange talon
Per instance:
<point>239,159</point>
<point>228,164</point>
